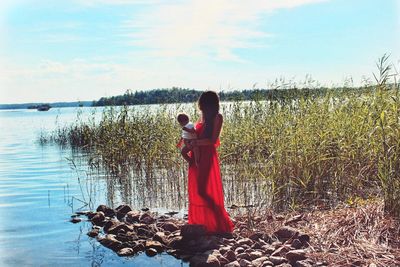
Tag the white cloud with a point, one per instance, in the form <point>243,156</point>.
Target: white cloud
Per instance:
<point>198,28</point>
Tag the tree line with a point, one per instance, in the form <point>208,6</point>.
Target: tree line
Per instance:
<point>185,95</point>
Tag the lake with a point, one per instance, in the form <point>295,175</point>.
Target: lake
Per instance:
<point>40,189</point>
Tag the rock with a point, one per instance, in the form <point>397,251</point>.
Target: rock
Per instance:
<point>125,252</point>
<point>98,218</point>
<point>146,218</point>
<point>284,265</point>
<point>192,231</point>
<point>304,239</point>
<point>296,255</point>
<point>281,251</point>
<point>244,263</point>
<point>154,244</point>
<point>151,252</point>
<point>294,219</point>
<point>276,244</point>
<point>256,254</point>
<point>111,242</point>
<point>296,244</point>
<point>224,249</point>
<point>268,249</point>
<point>175,242</point>
<point>82,212</point>
<point>204,260</point>
<point>118,227</point>
<point>75,220</point>
<point>255,236</point>
<point>145,209</point>
<point>276,260</point>
<point>267,264</point>
<point>239,250</point>
<point>230,256</point>
<point>122,210</point>
<point>169,226</point>
<point>259,261</point>
<point>266,238</point>
<point>109,212</point>
<point>222,260</point>
<point>244,256</point>
<point>372,265</point>
<point>233,264</point>
<point>245,241</point>
<point>160,237</point>
<point>132,216</point>
<point>93,232</point>
<point>256,245</point>
<point>286,232</point>
<point>306,263</point>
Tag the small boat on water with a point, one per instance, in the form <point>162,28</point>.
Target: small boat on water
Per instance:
<point>44,107</point>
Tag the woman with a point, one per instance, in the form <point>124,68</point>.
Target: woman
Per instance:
<point>206,198</point>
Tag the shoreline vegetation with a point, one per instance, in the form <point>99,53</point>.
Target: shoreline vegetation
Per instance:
<point>305,153</point>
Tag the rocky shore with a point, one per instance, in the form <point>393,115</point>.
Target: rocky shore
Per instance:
<point>271,240</point>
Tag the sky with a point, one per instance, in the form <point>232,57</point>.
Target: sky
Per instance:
<point>84,49</point>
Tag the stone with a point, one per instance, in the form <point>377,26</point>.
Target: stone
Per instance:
<point>75,220</point>
<point>98,218</point>
<point>119,228</point>
<point>146,218</point>
<point>255,236</point>
<point>222,260</point>
<point>109,212</point>
<point>192,231</point>
<point>256,254</point>
<point>244,263</point>
<point>243,256</point>
<point>132,217</point>
<point>151,252</point>
<point>304,239</point>
<point>160,237</point>
<point>82,212</point>
<point>294,219</point>
<point>306,263</point>
<point>296,243</point>
<point>224,249</point>
<point>125,252</point>
<point>122,210</point>
<point>259,261</point>
<point>284,265</point>
<point>93,232</point>
<point>175,242</point>
<point>245,241</point>
<point>268,249</point>
<point>239,250</point>
<point>267,264</point>
<point>169,226</point>
<point>281,251</point>
<point>296,255</point>
<point>110,242</point>
<point>276,260</point>
<point>230,255</point>
<point>154,244</point>
<point>233,264</point>
<point>204,260</point>
<point>286,232</point>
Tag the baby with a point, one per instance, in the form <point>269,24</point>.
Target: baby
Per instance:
<point>188,133</point>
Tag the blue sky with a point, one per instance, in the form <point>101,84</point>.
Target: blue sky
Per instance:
<point>86,49</point>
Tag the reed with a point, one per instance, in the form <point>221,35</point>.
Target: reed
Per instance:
<point>317,150</point>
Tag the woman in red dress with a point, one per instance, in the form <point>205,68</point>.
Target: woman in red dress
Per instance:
<point>206,198</point>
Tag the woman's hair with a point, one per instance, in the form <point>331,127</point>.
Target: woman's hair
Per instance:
<point>209,106</point>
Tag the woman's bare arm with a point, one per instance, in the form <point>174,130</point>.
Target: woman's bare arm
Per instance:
<point>215,134</point>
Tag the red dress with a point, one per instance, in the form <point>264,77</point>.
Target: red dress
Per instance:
<point>206,197</point>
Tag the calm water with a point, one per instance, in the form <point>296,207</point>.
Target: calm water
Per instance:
<point>39,191</point>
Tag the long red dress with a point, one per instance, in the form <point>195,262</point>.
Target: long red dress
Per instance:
<point>206,197</point>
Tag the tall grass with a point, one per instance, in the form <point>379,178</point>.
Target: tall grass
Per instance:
<point>311,151</point>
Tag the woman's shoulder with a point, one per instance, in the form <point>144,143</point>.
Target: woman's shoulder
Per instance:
<point>219,117</point>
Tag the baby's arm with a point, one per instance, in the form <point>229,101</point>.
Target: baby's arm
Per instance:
<point>190,130</point>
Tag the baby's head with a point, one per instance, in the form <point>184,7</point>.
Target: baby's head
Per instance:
<point>183,119</point>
